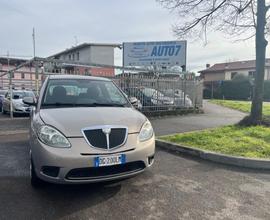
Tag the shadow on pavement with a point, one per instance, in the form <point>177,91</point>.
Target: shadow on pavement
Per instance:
<point>50,201</point>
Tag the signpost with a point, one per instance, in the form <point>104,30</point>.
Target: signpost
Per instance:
<point>156,53</point>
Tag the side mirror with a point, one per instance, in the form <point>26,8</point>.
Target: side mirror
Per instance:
<point>29,101</point>
<point>136,103</point>
<point>133,100</point>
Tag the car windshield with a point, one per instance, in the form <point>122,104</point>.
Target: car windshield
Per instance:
<point>82,92</point>
<point>152,93</point>
<point>22,94</point>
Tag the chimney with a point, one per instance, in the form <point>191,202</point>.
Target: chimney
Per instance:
<point>207,65</point>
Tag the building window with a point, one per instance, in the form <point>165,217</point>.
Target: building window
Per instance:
<point>78,56</point>
<point>73,56</point>
<point>251,74</point>
<point>233,74</point>
<point>22,75</point>
<point>86,72</point>
<point>69,56</point>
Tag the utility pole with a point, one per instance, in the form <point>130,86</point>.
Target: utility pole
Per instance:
<point>10,88</point>
<point>35,62</point>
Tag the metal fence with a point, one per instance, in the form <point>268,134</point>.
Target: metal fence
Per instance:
<point>161,93</point>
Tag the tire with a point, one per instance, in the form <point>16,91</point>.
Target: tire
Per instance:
<point>36,182</point>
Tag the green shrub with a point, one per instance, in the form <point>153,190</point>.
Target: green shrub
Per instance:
<point>236,89</point>
<point>266,95</point>
<point>240,88</point>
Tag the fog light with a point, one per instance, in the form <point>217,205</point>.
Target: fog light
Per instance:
<point>50,171</point>
<point>150,160</point>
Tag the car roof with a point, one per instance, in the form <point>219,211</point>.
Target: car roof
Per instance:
<point>68,76</point>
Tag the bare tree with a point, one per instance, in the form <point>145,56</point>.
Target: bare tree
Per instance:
<point>242,19</point>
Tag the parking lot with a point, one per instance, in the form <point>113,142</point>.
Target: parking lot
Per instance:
<point>177,186</point>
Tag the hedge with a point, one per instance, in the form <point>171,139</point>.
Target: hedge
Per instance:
<point>234,90</point>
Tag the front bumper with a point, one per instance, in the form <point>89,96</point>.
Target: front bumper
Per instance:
<point>21,110</point>
<point>81,157</point>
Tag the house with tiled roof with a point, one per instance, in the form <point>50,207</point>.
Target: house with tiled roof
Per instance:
<point>228,70</point>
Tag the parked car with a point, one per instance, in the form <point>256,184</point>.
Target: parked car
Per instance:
<point>84,129</point>
<point>17,102</point>
<point>2,96</point>
<point>180,98</point>
<point>135,102</point>
<point>150,97</point>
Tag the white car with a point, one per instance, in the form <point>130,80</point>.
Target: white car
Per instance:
<point>17,102</point>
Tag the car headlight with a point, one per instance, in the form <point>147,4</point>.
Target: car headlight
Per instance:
<point>17,105</point>
<point>146,131</point>
<point>50,136</point>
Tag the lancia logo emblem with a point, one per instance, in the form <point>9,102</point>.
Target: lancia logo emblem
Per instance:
<point>106,130</point>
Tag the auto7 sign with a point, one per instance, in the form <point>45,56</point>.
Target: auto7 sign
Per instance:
<point>162,53</point>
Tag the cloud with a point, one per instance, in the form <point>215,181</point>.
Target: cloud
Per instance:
<point>58,21</point>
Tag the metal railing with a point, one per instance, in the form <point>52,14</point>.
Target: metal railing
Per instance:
<point>161,93</point>
<point>154,91</point>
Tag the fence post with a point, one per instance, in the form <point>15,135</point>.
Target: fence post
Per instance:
<point>11,94</point>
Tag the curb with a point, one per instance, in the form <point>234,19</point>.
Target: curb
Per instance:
<point>216,157</point>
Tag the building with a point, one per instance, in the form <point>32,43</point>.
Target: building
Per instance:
<point>227,71</point>
<point>95,53</point>
<point>86,53</point>
<point>23,78</point>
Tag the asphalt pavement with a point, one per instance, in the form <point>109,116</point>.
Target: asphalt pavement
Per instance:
<point>214,116</point>
<point>177,187</point>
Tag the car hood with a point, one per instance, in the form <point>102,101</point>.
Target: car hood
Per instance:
<point>70,121</point>
<point>18,101</point>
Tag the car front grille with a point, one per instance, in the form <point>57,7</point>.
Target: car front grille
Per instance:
<point>103,172</point>
<point>96,137</point>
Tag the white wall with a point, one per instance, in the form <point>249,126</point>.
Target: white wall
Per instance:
<point>246,73</point>
<point>102,55</point>
<point>84,55</point>
<point>208,77</point>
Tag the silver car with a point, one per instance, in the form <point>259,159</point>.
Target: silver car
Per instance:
<point>84,129</point>
<point>18,107</point>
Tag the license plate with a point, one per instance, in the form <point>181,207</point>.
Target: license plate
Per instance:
<point>110,160</point>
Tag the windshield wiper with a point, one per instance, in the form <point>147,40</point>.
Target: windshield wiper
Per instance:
<point>58,104</point>
<point>97,104</point>
<point>94,104</point>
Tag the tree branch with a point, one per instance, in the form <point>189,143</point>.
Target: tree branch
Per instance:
<point>198,20</point>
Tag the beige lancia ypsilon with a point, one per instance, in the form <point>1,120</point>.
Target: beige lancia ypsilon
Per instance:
<point>84,129</point>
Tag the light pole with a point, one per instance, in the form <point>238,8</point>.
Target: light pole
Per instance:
<point>35,62</point>
<point>10,88</point>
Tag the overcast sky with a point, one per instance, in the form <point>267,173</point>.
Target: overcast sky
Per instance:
<point>59,22</point>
